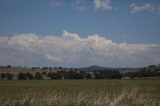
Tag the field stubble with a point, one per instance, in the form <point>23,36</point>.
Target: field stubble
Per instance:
<point>80,93</point>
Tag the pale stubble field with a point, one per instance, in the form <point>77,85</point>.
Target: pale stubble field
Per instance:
<point>80,93</point>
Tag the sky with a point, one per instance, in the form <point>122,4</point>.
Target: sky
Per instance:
<point>79,33</point>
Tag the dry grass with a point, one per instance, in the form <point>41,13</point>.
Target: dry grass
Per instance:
<point>80,93</point>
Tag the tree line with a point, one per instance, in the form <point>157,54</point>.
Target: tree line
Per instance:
<point>63,75</point>
<point>150,71</point>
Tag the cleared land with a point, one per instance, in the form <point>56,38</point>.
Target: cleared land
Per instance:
<point>80,93</point>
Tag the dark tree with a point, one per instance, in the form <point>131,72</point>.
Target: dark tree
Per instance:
<point>54,75</point>
<point>44,73</point>
<point>3,76</point>
<point>38,75</point>
<point>88,76</point>
<point>22,76</point>
<point>29,76</point>
<point>9,66</point>
<point>9,76</point>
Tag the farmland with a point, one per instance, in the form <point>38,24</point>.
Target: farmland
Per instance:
<point>80,93</point>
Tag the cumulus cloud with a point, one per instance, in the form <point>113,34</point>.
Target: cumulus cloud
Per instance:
<point>72,50</point>
<point>102,4</point>
<point>139,8</point>
<point>70,35</point>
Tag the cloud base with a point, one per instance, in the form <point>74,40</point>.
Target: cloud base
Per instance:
<point>70,50</point>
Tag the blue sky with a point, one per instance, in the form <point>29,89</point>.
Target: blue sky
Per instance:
<point>46,17</point>
<point>127,22</point>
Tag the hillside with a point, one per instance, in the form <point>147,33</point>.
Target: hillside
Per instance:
<point>96,68</point>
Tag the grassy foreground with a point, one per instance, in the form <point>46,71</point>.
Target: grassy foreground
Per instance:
<point>80,93</point>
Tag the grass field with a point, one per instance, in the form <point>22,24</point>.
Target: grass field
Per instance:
<point>80,93</point>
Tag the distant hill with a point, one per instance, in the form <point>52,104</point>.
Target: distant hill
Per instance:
<point>96,68</point>
<point>126,70</point>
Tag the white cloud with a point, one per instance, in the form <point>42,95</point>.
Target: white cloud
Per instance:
<point>139,8</point>
<point>102,4</point>
<point>82,4</point>
<point>73,4</point>
<point>70,35</point>
<point>53,58</point>
<point>72,50</point>
<point>133,5</point>
<point>78,5</point>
